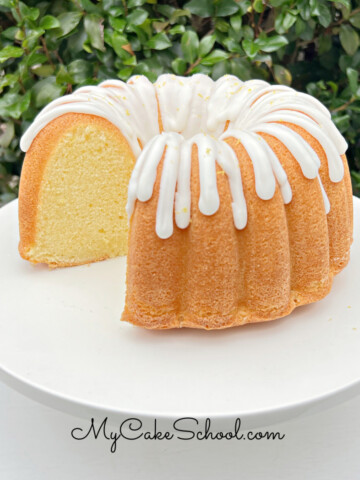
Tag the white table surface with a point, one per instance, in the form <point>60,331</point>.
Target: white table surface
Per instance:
<point>35,443</point>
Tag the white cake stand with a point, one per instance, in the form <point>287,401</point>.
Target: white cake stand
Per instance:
<point>62,343</point>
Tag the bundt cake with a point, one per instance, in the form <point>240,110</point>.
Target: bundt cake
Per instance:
<point>238,196</point>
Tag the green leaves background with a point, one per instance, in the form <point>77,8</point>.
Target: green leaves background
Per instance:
<point>50,48</point>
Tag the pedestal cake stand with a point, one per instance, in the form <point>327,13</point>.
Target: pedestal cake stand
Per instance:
<point>62,343</point>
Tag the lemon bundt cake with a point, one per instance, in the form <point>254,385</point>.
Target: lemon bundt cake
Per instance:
<point>238,195</point>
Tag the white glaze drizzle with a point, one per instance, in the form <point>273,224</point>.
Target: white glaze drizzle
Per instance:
<point>201,86</point>
<point>266,165</point>
<point>306,157</point>
<point>254,145</point>
<point>165,207</point>
<point>228,98</point>
<point>177,171</point>
<point>131,107</point>
<point>174,97</point>
<point>228,161</point>
<point>195,111</point>
<point>336,167</point>
<point>183,193</point>
<point>273,99</point>
<point>325,197</point>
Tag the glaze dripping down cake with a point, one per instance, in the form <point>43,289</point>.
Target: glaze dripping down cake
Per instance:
<point>238,196</point>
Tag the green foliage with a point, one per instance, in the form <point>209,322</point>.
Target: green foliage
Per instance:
<point>49,48</point>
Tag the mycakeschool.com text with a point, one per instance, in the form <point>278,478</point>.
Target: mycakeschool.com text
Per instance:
<point>184,428</point>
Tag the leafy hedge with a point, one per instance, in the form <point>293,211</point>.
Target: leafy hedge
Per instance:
<point>50,48</point>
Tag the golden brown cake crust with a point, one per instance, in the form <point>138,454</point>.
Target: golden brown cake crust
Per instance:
<point>212,276</point>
